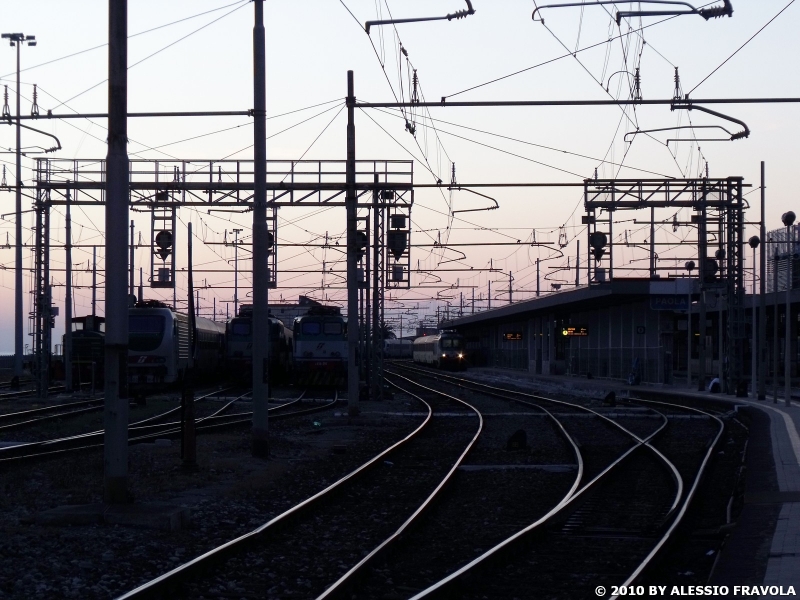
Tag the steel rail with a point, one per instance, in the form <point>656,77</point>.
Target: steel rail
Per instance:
<point>159,586</point>
<point>12,450</point>
<point>46,409</point>
<point>689,496</point>
<point>220,421</point>
<point>441,586</point>
<point>42,419</point>
<point>339,587</point>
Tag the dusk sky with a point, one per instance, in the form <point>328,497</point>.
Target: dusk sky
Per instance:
<point>197,55</point>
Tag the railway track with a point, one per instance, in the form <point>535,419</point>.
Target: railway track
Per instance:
<point>150,429</point>
<point>357,512</point>
<point>610,531</point>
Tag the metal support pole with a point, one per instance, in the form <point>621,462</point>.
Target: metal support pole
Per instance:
<point>702,256</point>
<point>510,291</point>
<point>236,272</point>
<point>537,277</point>
<point>261,245</point>
<point>762,322</point>
<point>188,433</point>
<point>18,244</point>
<point>352,253</point>
<point>689,342</point>
<point>115,453</point>
<point>787,350</point>
<point>141,284</point>
<point>490,295</point>
<point>753,335</point>
<point>652,242</point>
<point>775,333</point>
<point>94,281</point>
<point>131,288</point>
<point>720,342</point>
<point>68,301</point>
<point>473,301</point>
<point>376,382</point>
<point>578,265</point>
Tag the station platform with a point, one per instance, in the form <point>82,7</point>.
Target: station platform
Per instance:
<point>763,547</point>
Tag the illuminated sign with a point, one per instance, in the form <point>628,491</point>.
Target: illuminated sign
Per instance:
<point>575,331</point>
<point>512,336</point>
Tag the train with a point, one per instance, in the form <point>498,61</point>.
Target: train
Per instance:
<point>239,346</point>
<point>443,350</point>
<point>394,348</point>
<point>320,347</point>
<point>314,351</point>
<point>159,345</point>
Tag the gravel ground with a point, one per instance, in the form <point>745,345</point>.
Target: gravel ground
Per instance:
<point>230,494</point>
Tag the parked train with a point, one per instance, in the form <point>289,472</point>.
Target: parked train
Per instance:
<point>320,346</point>
<point>239,346</point>
<point>159,345</point>
<point>88,351</point>
<point>443,350</point>
<point>398,348</point>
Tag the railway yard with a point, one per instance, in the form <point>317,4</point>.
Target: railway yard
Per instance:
<point>426,493</point>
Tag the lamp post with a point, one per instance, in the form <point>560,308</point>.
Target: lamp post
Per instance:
<point>754,242</point>
<point>18,39</point>
<point>788,220</point>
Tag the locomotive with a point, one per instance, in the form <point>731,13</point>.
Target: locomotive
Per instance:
<point>159,344</point>
<point>320,346</point>
<point>443,350</point>
<point>239,346</point>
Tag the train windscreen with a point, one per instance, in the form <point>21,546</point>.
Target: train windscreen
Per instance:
<point>240,329</point>
<point>145,332</point>
<point>451,342</point>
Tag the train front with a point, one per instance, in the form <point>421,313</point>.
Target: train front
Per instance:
<point>320,349</point>
<point>156,344</point>
<point>451,348</point>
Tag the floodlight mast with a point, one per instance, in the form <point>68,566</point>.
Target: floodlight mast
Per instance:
<point>17,39</point>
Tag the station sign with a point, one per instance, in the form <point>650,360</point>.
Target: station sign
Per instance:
<point>512,336</point>
<point>575,331</point>
<point>669,302</point>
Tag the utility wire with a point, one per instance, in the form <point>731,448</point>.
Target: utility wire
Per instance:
<point>742,46</point>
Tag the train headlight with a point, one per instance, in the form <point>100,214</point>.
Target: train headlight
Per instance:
<point>444,355</point>
<point>460,355</point>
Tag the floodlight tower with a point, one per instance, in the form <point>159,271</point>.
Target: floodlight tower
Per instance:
<point>18,40</point>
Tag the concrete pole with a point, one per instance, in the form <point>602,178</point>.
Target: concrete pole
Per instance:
<point>762,321</point>
<point>262,246</point>
<point>352,253</point>
<point>787,351</point>
<point>94,281</point>
<point>68,302</point>
<point>18,350</point>
<point>115,453</point>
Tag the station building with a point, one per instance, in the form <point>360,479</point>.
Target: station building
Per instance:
<point>645,329</point>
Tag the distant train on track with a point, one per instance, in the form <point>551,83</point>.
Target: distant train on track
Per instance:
<point>443,350</point>
<point>393,348</point>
